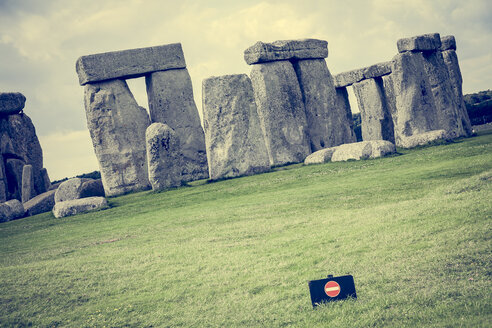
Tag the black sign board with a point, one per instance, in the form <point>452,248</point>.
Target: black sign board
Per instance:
<point>332,289</point>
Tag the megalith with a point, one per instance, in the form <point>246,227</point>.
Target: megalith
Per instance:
<point>415,106</point>
<point>262,52</point>
<point>448,50</point>
<point>376,121</point>
<point>27,191</point>
<point>233,135</point>
<point>164,156</point>
<point>344,103</point>
<point>281,111</point>
<point>3,181</point>
<point>11,102</point>
<point>13,172</point>
<point>171,102</point>
<point>328,124</point>
<point>117,126</point>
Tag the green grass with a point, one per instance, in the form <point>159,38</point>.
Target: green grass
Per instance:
<point>414,230</point>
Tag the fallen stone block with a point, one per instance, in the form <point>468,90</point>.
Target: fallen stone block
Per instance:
<point>262,52</point>
<point>163,157</point>
<point>129,63</point>
<point>171,102</point>
<point>79,206</point>
<point>327,122</point>
<point>117,126</point>
<point>422,138</point>
<point>348,78</point>
<point>320,156</point>
<point>281,111</point>
<point>448,42</point>
<point>363,150</point>
<point>27,191</point>
<point>11,102</point>
<point>233,135</point>
<point>425,42</point>
<point>78,188</point>
<point>92,188</point>
<point>41,203</point>
<point>11,210</point>
<point>377,70</point>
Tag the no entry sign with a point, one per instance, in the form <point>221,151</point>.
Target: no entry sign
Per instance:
<point>331,289</point>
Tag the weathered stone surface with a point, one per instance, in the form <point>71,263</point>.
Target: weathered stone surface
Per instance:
<point>426,42</point>
<point>92,188</point>
<point>348,78</point>
<point>444,97</point>
<point>13,172</point>
<point>171,102</point>
<point>281,111</point>
<point>117,126</point>
<point>163,156</point>
<point>363,150</point>
<point>3,181</point>
<point>262,52</point>
<point>347,128</point>
<point>377,70</point>
<point>11,102</point>
<point>376,121</point>
<point>320,156</point>
<point>448,43</point>
<point>78,206</point>
<point>422,138</point>
<point>452,64</point>
<point>327,122</point>
<point>27,191</point>
<point>41,203</point>
<point>11,210</point>
<point>18,140</point>
<point>233,135</point>
<point>415,106</point>
<point>129,63</point>
<point>46,179</point>
<point>389,95</point>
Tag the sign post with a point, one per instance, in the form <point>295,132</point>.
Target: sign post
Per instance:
<point>331,289</point>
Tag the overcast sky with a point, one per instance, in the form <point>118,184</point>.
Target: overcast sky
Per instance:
<point>40,40</point>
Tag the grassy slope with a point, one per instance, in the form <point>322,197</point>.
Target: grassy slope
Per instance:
<point>414,230</point>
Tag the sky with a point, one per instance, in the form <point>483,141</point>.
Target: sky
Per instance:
<point>40,41</point>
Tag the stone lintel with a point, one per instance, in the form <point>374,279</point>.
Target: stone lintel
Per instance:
<point>425,42</point>
<point>262,52</point>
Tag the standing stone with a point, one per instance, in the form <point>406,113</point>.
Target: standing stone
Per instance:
<point>281,112</point>
<point>415,106</point>
<point>18,140</point>
<point>11,102</point>
<point>262,52</point>
<point>344,103</point>
<point>163,156</point>
<point>233,136</point>
<point>448,46</point>
<point>376,121</point>
<point>444,97</point>
<point>117,127</point>
<point>45,179</point>
<point>389,96</point>
<point>13,173</point>
<point>171,102</point>
<point>27,183</point>
<point>129,63</point>
<point>3,181</point>
<point>327,122</point>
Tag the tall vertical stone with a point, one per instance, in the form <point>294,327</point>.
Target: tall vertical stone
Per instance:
<point>444,96</point>
<point>46,179</point>
<point>13,173</point>
<point>171,102</point>
<point>448,48</point>
<point>376,122</point>
<point>281,111</point>
<point>117,126</point>
<point>233,136</point>
<point>415,106</point>
<point>344,103</point>
<point>389,96</point>
<point>3,181</point>
<point>327,122</point>
<point>27,184</point>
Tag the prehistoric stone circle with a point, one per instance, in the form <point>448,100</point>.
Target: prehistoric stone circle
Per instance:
<point>233,135</point>
<point>164,156</point>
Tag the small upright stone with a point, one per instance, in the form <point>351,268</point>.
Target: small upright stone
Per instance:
<point>27,183</point>
<point>163,156</point>
<point>171,102</point>
<point>286,50</point>
<point>11,102</point>
<point>281,112</point>
<point>233,136</point>
<point>426,42</point>
<point>117,126</point>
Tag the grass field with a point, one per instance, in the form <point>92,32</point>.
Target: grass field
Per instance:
<point>414,230</point>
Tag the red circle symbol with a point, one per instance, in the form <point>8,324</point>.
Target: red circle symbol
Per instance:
<point>332,288</point>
